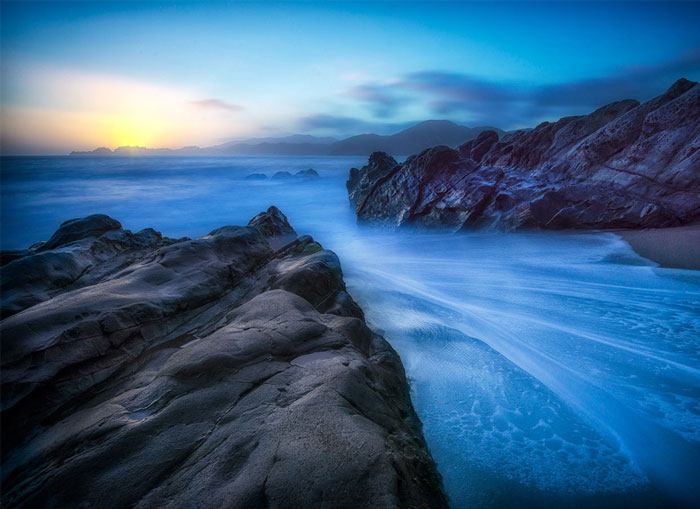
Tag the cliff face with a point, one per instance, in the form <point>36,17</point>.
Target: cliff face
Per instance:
<point>224,371</point>
<point>626,165</point>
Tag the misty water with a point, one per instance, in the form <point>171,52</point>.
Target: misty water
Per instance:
<point>548,369</point>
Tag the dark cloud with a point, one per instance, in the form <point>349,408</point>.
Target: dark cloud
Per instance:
<point>216,104</point>
<point>476,101</point>
<point>455,87</point>
<point>382,99</point>
<point>641,82</point>
<point>348,126</point>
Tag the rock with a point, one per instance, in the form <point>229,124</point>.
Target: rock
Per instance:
<point>310,173</point>
<point>208,372</point>
<point>480,146</point>
<point>78,229</point>
<point>626,165</point>
<point>379,166</point>
<point>12,255</point>
<point>256,176</point>
<point>282,175</point>
<point>85,251</point>
<point>273,224</point>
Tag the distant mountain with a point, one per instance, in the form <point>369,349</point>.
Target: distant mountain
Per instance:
<point>409,141</point>
<point>274,149</point>
<point>129,151</point>
<point>305,139</point>
<point>100,151</point>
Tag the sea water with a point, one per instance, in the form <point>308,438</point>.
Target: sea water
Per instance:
<point>548,369</point>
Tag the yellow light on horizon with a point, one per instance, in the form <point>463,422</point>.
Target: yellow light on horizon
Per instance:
<point>93,110</point>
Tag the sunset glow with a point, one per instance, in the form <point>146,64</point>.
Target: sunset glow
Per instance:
<point>78,76</point>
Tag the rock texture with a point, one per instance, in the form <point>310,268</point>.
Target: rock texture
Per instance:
<point>210,372</point>
<point>82,252</point>
<point>272,223</point>
<point>626,165</point>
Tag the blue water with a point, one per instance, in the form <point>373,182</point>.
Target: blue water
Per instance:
<point>548,369</point>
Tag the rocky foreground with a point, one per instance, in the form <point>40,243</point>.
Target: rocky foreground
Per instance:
<point>626,165</point>
<point>233,370</point>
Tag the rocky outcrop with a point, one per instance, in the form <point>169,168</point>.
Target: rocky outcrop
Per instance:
<point>272,223</point>
<point>626,165</point>
<point>308,173</point>
<point>210,372</point>
<point>80,253</point>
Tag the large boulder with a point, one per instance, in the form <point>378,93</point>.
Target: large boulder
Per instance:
<point>626,165</point>
<point>78,229</point>
<point>272,223</point>
<point>215,372</point>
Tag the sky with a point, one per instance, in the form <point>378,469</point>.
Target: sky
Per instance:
<point>75,76</point>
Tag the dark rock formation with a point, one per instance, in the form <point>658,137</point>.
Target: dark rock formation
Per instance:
<point>76,229</point>
<point>274,225</point>
<point>626,165</point>
<point>256,176</point>
<point>282,175</point>
<point>209,372</point>
<point>379,168</point>
<point>82,252</point>
<point>310,173</point>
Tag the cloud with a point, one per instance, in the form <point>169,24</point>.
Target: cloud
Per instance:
<point>474,100</point>
<point>641,82</point>
<point>216,104</point>
<point>348,125</point>
<point>382,99</point>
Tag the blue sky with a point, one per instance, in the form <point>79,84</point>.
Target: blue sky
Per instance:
<point>84,74</point>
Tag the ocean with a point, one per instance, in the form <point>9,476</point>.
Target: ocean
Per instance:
<point>548,369</point>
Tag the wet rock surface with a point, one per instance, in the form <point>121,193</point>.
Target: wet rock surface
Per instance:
<point>218,371</point>
<point>626,165</point>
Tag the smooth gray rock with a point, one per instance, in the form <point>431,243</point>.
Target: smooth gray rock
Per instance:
<point>78,229</point>
<point>214,372</point>
<point>86,251</point>
<point>626,165</point>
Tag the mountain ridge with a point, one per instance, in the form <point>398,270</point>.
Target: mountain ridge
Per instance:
<point>408,141</point>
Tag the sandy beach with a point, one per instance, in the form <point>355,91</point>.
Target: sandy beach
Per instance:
<point>669,247</point>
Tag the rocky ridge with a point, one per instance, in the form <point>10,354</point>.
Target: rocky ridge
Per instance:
<point>626,165</point>
<point>220,371</point>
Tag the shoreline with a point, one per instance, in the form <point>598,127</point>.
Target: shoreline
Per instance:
<point>676,248</point>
